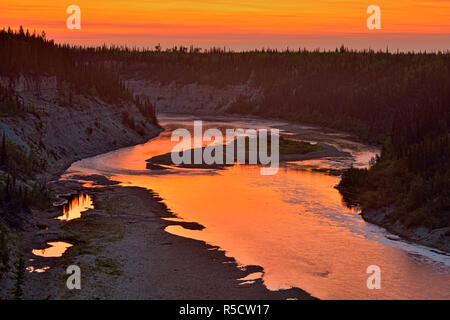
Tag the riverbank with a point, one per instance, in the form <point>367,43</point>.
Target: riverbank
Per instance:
<point>124,253</point>
<point>337,147</point>
<point>118,228</point>
<point>312,258</point>
<point>56,136</point>
<point>120,246</point>
<point>438,238</point>
<point>41,227</point>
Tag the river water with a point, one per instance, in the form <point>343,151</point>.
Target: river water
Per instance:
<point>293,224</point>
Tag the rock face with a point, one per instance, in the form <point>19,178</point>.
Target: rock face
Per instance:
<point>433,238</point>
<point>192,98</point>
<point>64,134</point>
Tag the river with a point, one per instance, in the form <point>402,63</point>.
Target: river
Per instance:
<point>293,224</point>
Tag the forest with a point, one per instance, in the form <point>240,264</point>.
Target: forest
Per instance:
<point>400,100</point>
<point>355,91</point>
<point>33,55</point>
<point>411,178</point>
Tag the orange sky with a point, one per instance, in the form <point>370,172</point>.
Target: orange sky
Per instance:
<point>243,24</point>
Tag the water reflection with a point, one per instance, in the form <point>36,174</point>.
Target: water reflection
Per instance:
<point>295,226</point>
<point>37,270</point>
<point>56,249</point>
<point>292,224</point>
<point>76,205</point>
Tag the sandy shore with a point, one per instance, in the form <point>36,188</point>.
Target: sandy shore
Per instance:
<point>124,253</point>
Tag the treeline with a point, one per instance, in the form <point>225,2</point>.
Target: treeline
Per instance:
<point>78,70</point>
<point>355,91</point>
<point>32,54</point>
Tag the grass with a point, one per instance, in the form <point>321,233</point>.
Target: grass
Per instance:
<point>288,146</point>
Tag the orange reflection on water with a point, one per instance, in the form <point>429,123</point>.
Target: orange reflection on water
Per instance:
<point>56,249</point>
<point>292,224</point>
<point>75,206</point>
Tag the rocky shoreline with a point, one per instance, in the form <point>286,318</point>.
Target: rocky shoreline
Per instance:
<point>431,238</point>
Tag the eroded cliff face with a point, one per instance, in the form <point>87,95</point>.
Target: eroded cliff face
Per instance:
<point>62,133</point>
<point>193,98</point>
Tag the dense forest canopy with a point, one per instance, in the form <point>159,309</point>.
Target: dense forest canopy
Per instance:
<point>31,54</point>
<point>357,91</point>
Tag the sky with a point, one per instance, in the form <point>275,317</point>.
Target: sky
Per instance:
<point>239,24</point>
